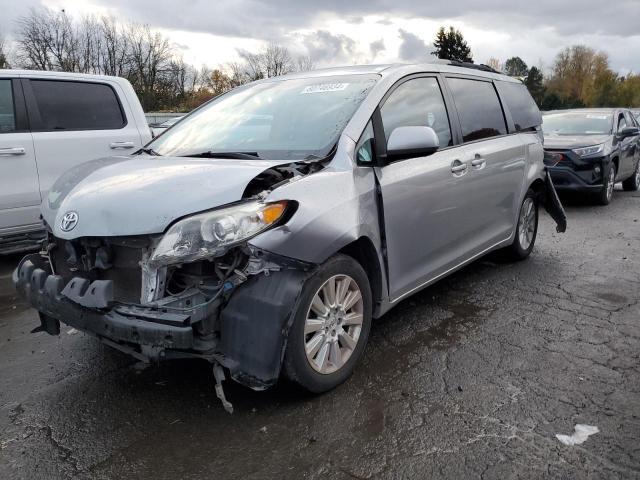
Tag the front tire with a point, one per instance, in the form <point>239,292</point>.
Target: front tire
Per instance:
<point>526,229</point>
<point>606,192</point>
<point>330,327</point>
<point>632,183</point>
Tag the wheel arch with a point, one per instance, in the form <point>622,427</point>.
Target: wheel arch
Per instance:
<point>537,186</point>
<point>364,252</point>
<point>616,161</point>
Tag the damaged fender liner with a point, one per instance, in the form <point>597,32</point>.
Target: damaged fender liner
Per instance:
<point>32,282</point>
<point>552,204</point>
<point>255,325</point>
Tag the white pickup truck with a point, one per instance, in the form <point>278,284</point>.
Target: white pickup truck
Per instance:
<point>50,122</point>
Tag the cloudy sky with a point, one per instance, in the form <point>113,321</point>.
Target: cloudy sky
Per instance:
<point>339,32</point>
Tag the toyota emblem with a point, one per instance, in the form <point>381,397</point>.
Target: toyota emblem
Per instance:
<point>69,221</point>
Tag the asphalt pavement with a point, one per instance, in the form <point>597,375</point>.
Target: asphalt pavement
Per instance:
<point>471,378</point>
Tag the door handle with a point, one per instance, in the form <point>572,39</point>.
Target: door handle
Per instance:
<point>12,151</point>
<point>116,145</point>
<point>478,162</point>
<point>458,168</point>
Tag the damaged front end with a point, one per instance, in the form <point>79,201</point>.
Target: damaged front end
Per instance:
<point>231,310</point>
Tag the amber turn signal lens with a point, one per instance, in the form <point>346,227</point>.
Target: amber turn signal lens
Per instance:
<point>271,213</point>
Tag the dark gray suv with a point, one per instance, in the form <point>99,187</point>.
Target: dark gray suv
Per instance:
<point>589,150</point>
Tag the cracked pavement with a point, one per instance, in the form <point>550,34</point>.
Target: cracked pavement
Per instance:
<point>470,378</point>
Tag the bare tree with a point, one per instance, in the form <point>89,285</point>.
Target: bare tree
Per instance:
<point>53,40</point>
<point>33,40</point>
<point>494,63</point>
<point>4,61</point>
<point>276,60</point>
<point>304,64</point>
<point>149,56</point>
<point>237,74</point>
<point>252,67</point>
<point>115,48</point>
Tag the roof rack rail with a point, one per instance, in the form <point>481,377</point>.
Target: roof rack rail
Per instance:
<point>475,66</point>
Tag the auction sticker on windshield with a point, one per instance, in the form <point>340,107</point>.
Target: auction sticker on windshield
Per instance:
<point>325,87</point>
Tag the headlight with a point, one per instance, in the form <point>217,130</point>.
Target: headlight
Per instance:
<point>211,233</point>
<point>588,151</point>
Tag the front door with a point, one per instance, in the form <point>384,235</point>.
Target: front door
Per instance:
<point>19,189</point>
<point>423,198</point>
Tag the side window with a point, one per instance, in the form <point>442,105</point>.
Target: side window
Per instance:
<point>7,113</point>
<point>478,108</point>
<point>523,109</point>
<point>417,102</point>
<point>629,118</point>
<point>622,123</point>
<point>364,147</point>
<point>77,105</point>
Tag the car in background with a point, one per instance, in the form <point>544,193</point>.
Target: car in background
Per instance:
<point>160,128</point>
<point>589,150</point>
<point>50,122</point>
<point>264,231</point>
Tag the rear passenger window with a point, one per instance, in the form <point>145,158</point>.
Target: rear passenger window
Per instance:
<point>523,108</point>
<point>417,103</point>
<point>7,114</point>
<point>478,108</point>
<point>77,105</point>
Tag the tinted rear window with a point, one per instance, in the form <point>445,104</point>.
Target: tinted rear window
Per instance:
<point>77,105</point>
<point>478,108</point>
<point>523,108</point>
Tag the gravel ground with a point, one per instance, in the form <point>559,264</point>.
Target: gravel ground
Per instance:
<point>473,377</point>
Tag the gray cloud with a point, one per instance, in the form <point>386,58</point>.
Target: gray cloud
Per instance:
<point>326,48</point>
<point>413,48</point>
<point>376,47</point>
<point>602,25</point>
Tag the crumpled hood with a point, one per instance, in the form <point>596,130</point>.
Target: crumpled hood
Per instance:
<point>573,141</point>
<point>119,196</point>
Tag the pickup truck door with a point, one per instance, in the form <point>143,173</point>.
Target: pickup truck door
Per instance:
<point>19,189</point>
<point>75,121</point>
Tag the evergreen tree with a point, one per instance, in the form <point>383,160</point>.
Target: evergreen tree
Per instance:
<point>534,82</point>
<point>451,45</point>
<point>515,67</point>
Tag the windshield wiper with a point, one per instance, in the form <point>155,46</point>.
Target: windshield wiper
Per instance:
<point>233,155</point>
<point>148,151</point>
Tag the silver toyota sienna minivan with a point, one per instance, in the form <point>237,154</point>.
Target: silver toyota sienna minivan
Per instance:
<point>265,230</point>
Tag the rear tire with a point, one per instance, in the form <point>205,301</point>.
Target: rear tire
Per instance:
<point>526,229</point>
<point>608,183</point>
<point>330,327</point>
<point>632,183</point>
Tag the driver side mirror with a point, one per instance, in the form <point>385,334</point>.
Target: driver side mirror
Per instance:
<point>411,142</point>
<point>628,132</point>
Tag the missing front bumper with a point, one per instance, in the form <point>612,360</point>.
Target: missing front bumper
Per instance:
<point>148,327</point>
<point>251,327</point>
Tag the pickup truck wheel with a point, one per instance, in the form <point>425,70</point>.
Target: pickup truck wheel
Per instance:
<point>609,182</point>
<point>330,327</point>
<point>632,183</point>
<point>526,229</point>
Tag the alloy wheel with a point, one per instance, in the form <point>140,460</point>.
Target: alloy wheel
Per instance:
<point>333,324</point>
<point>527,223</point>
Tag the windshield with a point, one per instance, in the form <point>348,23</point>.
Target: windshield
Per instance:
<point>577,123</point>
<point>283,119</point>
